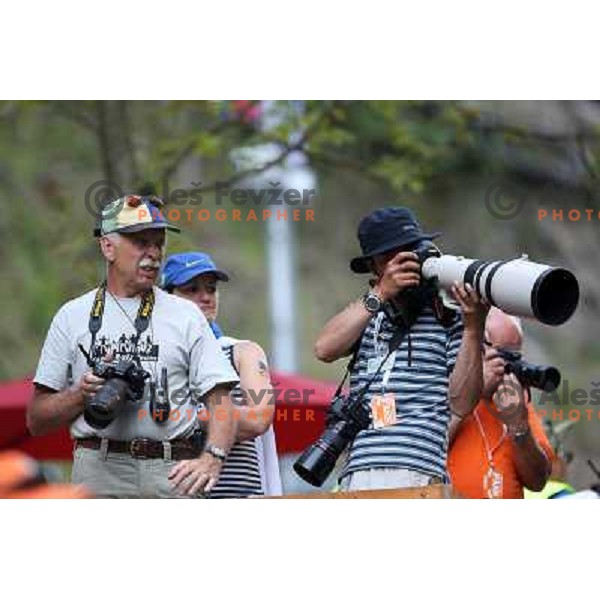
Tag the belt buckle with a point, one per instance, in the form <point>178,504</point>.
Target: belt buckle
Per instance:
<point>137,448</point>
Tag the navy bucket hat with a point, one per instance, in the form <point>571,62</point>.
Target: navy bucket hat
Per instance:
<point>386,229</point>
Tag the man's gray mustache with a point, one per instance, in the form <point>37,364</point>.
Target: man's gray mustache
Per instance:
<point>150,263</point>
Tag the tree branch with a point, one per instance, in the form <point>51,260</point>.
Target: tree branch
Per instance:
<point>286,151</point>
<point>125,118</point>
<point>103,140</point>
<point>216,128</point>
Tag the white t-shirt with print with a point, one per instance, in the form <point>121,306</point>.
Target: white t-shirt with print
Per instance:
<point>178,338</point>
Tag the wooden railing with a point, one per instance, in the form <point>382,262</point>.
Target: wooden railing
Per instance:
<point>429,492</point>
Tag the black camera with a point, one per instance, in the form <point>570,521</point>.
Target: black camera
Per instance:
<point>425,249</point>
<point>542,377</point>
<point>346,417</point>
<point>125,381</point>
<point>405,310</point>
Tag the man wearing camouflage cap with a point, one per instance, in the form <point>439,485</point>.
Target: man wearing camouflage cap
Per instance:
<point>136,450</point>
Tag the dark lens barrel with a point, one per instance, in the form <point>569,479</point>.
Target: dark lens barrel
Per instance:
<point>101,409</point>
<point>554,296</point>
<point>315,465</point>
<point>550,379</point>
<point>318,461</point>
<point>545,378</point>
<point>539,377</point>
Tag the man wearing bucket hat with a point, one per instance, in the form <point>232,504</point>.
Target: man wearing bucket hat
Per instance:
<point>412,371</point>
<point>252,468</point>
<point>131,441</point>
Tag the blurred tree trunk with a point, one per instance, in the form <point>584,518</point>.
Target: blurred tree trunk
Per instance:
<point>116,143</point>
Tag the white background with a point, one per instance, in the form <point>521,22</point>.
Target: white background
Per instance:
<point>298,549</point>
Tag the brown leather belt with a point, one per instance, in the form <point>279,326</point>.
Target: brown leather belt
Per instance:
<point>143,447</point>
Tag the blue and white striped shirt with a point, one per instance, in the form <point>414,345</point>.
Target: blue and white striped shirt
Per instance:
<point>240,476</point>
<point>419,439</point>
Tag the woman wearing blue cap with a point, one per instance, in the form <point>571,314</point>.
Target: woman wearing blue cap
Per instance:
<point>251,467</point>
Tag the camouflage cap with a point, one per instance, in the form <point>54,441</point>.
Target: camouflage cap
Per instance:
<point>132,213</point>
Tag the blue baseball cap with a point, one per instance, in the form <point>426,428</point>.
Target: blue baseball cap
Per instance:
<point>180,268</point>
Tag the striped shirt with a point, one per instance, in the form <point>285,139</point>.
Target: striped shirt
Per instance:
<point>419,381</point>
<point>240,475</point>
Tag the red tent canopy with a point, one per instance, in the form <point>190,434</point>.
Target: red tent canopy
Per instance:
<point>300,412</point>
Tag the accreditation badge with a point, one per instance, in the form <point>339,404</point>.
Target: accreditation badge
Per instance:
<point>383,410</point>
<point>492,483</point>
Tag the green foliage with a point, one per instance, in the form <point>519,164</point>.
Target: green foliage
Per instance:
<point>366,154</point>
<point>403,144</point>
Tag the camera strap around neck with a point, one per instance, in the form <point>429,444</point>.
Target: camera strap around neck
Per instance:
<point>393,345</point>
<point>142,320</point>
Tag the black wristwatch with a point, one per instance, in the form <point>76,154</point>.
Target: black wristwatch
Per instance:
<point>372,302</point>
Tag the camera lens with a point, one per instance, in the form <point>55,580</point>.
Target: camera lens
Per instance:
<point>319,459</point>
<point>102,408</point>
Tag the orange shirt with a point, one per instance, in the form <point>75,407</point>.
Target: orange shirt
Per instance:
<point>467,459</point>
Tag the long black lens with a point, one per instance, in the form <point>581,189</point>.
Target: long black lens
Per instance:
<point>318,461</point>
<point>536,376</point>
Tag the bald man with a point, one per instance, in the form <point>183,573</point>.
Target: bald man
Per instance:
<point>500,448</point>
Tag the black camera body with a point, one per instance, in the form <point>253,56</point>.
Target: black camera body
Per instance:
<point>345,419</point>
<point>425,249</point>
<point>125,381</point>
<point>541,377</point>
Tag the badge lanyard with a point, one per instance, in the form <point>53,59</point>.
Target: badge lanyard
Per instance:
<point>379,347</point>
<point>383,405</point>
<point>387,371</point>
<point>386,357</point>
<point>492,480</point>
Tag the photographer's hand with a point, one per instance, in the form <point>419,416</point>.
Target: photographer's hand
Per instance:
<point>340,334</point>
<point>196,475</point>
<point>466,380</point>
<point>532,465</point>
<point>403,271</point>
<point>90,384</point>
<point>510,401</point>
<point>474,310</point>
<point>493,371</point>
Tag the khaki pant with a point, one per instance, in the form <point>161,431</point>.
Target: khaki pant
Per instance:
<point>381,479</point>
<point>119,475</point>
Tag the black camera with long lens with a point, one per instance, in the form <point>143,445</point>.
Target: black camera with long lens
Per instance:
<point>541,377</point>
<point>124,382</point>
<point>345,419</point>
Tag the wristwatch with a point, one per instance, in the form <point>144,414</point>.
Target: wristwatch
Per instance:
<point>520,434</point>
<point>216,451</point>
<point>372,302</point>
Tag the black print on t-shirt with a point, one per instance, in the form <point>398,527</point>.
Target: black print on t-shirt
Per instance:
<point>123,348</point>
